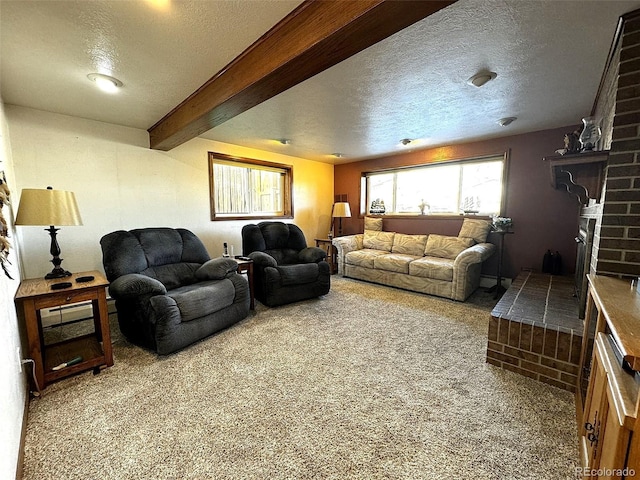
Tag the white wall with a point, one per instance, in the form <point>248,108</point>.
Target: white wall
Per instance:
<point>13,389</point>
<point>121,184</point>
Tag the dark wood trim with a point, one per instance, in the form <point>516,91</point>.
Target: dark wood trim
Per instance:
<point>315,36</point>
<point>505,183</point>
<point>287,193</point>
<point>580,174</point>
<point>506,157</point>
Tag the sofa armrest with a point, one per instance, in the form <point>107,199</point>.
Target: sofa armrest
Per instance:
<point>347,244</point>
<point>216,268</point>
<point>134,285</point>
<point>263,259</point>
<point>475,254</point>
<point>312,255</point>
<point>466,270</point>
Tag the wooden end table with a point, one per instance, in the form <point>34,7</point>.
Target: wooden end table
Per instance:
<point>332,253</point>
<point>246,266</point>
<point>95,349</point>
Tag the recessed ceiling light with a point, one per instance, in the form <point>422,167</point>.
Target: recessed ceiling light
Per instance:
<point>338,155</point>
<point>405,141</point>
<point>503,122</point>
<point>285,141</point>
<point>105,82</point>
<point>481,78</point>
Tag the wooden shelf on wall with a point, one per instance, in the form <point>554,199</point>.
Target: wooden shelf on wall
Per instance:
<point>581,174</point>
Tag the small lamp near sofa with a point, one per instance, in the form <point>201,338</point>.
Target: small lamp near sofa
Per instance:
<point>49,207</point>
<point>341,210</point>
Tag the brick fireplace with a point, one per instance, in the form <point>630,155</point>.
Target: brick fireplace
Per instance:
<point>616,249</point>
<point>528,333</point>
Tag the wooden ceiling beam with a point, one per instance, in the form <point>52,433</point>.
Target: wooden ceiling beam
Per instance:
<point>313,37</point>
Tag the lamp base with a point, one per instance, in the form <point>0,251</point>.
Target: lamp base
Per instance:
<point>57,273</point>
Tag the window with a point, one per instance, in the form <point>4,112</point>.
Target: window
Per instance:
<point>245,188</point>
<point>472,186</point>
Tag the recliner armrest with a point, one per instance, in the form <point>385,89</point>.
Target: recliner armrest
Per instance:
<point>134,284</point>
<point>216,268</point>
<point>263,259</point>
<point>312,255</point>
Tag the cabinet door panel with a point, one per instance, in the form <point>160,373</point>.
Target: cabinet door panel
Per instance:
<point>594,413</point>
<point>613,442</point>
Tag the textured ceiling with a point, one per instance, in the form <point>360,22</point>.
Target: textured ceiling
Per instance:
<point>549,57</point>
<point>161,50</point>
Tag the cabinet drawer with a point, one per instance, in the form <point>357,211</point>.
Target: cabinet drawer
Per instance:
<point>65,298</point>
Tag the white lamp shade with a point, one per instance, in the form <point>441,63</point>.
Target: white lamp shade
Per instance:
<point>47,207</point>
<point>341,210</point>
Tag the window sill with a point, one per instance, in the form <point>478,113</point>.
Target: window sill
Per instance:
<point>433,216</point>
<point>251,217</point>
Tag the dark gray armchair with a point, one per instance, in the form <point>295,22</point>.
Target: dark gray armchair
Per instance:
<point>168,292</point>
<point>285,269</point>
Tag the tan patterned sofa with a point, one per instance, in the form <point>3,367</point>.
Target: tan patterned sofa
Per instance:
<point>434,264</point>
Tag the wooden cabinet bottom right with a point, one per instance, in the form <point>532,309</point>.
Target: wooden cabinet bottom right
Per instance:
<point>608,446</point>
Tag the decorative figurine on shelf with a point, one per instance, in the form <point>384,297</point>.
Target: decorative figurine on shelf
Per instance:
<point>424,207</point>
<point>377,206</point>
<point>501,224</point>
<point>590,135</point>
<point>571,143</point>
<point>471,205</point>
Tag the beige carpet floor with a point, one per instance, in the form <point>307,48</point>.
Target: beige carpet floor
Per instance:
<point>368,382</point>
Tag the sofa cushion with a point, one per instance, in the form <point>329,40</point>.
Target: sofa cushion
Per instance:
<point>203,298</point>
<point>446,247</point>
<point>393,262</point>
<point>373,224</point>
<point>475,228</point>
<point>409,244</point>
<point>284,256</point>
<point>173,275</point>
<point>432,267</point>
<point>299,273</point>
<point>363,258</point>
<point>378,240</point>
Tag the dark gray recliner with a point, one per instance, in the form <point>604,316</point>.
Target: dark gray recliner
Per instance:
<point>285,269</point>
<point>168,291</point>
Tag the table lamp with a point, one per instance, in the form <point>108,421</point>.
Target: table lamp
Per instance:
<point>49,207</point>
<point>341,210</point>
